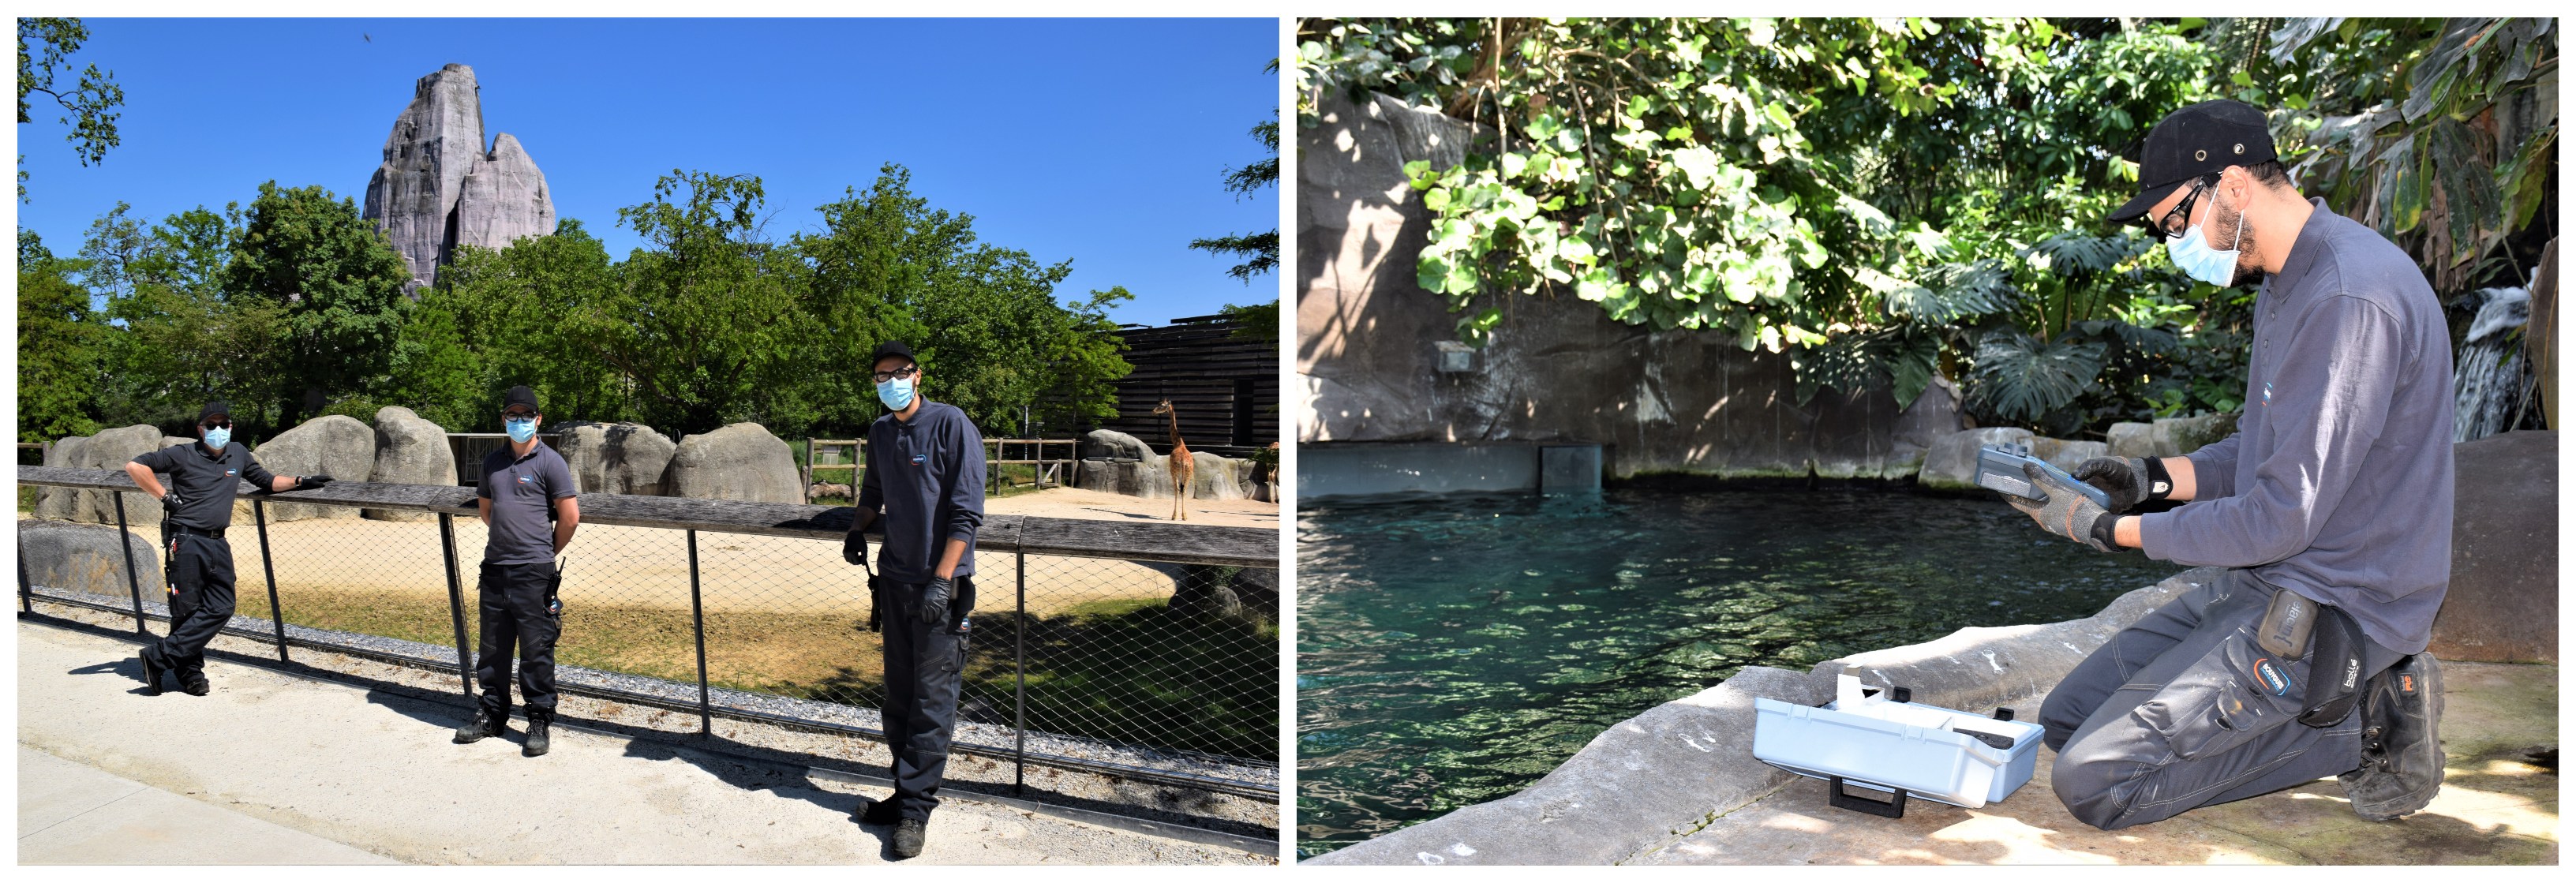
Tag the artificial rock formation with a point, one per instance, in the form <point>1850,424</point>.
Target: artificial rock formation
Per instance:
<point>738,462</point>
<point>410,450</point>
<point>336,445</point>
<point>615,458</point>
<point>439,187</point>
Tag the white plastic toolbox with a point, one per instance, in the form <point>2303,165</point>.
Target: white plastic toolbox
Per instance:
<point>1867,739</point>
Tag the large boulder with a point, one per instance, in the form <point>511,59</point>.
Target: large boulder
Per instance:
<point>410,450</point>
<point>2503,603</point>
<point>1219,478</point>
<point>2137,440</point>
<point>2065,454</point>
<point>336,445</point>
<point>1951,464</point>
<point>85,558</point>
<point>739,462</point>
<point>57,503</point>
<point>1934,415</point>
<point>110,449</point>
<point>615,458</point>
<point>1118,463</point>
<point>2170,436</point>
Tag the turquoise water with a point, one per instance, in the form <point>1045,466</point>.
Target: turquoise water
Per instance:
<point>1452,650</point>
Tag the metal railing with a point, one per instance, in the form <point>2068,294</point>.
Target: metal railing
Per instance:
<point>1145,650</point>
<point>1044,470</point>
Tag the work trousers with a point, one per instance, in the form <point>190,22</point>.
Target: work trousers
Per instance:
<point>2170,714</point>
<point>925,664</point>
<point>513,609</point>
<point>201,601</point>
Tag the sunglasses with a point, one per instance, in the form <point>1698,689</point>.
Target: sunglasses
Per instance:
<point>907,372</point>
<point>518,415</point>
<point>217,424</point>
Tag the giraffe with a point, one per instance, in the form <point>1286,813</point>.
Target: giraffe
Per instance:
<point>1182,465</point>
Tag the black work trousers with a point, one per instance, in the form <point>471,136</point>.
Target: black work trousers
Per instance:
<point>513,610</point>
<point>2170,714</point>
<point>925,664</point>
<point>201,601</point>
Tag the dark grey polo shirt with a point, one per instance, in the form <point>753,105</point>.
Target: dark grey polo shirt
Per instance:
<point>2337,483</point>
<point>523,491</point>
<point>928,476</point>
<point>206,481</point>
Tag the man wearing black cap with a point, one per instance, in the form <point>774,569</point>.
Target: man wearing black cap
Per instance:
<point>925,469</point>
<point>2331,505</point>
<point>204,477</point>
<point>528,499</point>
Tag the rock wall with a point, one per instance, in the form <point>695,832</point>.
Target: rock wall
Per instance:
<point>2503,601</point>
<point>1133,469</point>
<point>438,187</point>
<point>1558,369</point>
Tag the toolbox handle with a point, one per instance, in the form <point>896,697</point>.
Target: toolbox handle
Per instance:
<point>2003,714</point>
<point>1890,809</point>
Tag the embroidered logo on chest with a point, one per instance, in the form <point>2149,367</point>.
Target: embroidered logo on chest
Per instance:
<point>919,459</point>
<point>2267,395</point>
<point>528,480</point>
<point>232,473</point>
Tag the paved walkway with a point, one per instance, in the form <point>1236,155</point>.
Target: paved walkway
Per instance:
<point>297,767</point>
<point>2499,805</point>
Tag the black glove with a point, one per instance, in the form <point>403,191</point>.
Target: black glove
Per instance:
<point>311,481</point>
<point>172,501</point>
<point>2068,512</point>
<point>854,548</point>
<point>934,600</point>
<point>2129,480</point>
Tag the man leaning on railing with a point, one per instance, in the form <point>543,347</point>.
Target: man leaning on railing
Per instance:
<point>197,507</point>
<point>527,497</point>
<point>925,468</point>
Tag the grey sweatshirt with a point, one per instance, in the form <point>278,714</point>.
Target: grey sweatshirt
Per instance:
<point>928,476</point>
<point>2337,483</point>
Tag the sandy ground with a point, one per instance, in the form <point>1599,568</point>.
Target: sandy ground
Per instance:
<point>375,771</point>
<point>1067,502</point>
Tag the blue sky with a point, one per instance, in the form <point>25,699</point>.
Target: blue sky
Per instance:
<point>1100,141</point>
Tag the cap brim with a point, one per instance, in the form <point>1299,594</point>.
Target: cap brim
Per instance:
<point>2146,199</point>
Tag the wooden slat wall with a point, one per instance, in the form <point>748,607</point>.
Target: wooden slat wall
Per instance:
<point>1198,364</point>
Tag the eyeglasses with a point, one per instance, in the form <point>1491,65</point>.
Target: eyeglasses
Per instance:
<point>217,424</point>
<point>906,372</point>
<point>2177,222</point>
<point>518,415</point>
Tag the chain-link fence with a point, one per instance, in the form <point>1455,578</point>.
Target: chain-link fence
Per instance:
<point>1160,657</point>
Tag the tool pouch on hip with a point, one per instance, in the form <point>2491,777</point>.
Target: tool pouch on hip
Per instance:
<point>2287,625</point>
<point>554,591</point>
<point>2334,669</point>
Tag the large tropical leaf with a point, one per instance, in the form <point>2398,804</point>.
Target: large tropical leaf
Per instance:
<point>1954,291</point>
<point>2021,379</point>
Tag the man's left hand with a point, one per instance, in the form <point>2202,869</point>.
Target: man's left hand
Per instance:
<point>2068,512</point>
<point>935,598</point>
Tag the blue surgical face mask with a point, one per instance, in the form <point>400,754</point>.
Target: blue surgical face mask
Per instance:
<point>216,439</point>
<point>2192,255</point>
<point>896,393</point>
<point>521,430</point>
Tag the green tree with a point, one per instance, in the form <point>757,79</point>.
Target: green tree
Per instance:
<point>178,339</point>
<point>1259,251</point>
<point>59,347</point>
<point>498,319</point>
<point>45,47</point>
<point>337,285</point>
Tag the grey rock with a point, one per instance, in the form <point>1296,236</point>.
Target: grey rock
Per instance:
<point>336,445</point>
<point>615,458</point>
<point>2188,434</point>
<point>2503,601</point>
<point>1215,477</point>
<point>410,450</point>
<point>85,558</point>
<point>59,503</point>
<point>1951,464</point>
<point>1111,443</point>
<point>434,160</point>
<point>2065,454</point>
<point>2136,440</point>
<point>110,449</point>
<point>1934,415</point>
<point>1136,471</point>
<point>738,462</point>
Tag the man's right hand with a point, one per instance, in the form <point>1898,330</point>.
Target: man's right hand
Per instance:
<point>171,500</point>
<point>854,548</point>
<point>2129,480</point>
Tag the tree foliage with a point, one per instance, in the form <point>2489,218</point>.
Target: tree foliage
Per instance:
<point>1259,251</point>
<point>88,105</point>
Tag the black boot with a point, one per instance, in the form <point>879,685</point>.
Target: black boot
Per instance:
<point>196,686</point>
<point>878,812</point>
<point>908,837</point>
<point>151,674</point>
<point>486,722</point>
<point>2401,746</point>
<point>539,719</point>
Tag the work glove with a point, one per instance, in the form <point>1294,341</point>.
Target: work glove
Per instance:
<point>172,501</point>
<point>2129,480</point>
<point>934,600</point>
<point>854,548</point>
<point>311,481</point>
<point>2068,512</point>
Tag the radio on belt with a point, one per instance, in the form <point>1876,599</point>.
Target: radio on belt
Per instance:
<point>1999,468</point>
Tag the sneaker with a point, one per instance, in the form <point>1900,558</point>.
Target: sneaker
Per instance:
<point>151,675</point>
<point>540,720</point>
<point>877,812</point>
<point>484,724</point>
<point>2401,747</point>
<point>908,835</point>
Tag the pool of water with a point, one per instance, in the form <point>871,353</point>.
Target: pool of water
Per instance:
<point>1452,650</point>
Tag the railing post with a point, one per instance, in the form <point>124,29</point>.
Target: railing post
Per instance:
<point>276,615</point>
<point>698,624</point>
<point>125,544</point>
<point>26,587</point>
<point>1020,691</point>
<point>456,604</point>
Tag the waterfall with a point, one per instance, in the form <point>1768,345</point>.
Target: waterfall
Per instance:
<point>2491,378</point>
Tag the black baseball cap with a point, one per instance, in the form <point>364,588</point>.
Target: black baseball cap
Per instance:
<point>889,349</point>
<point>218,406</point>
<point>2194,141</point>
<point>521,395</point>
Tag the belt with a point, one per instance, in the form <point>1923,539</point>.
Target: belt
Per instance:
<point>181,530</point>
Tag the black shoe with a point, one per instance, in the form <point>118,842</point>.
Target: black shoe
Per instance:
<point>878,812</point>
<point>151,675</point>
<point>539,719</point>
<point>908,835</point>
<point>2401,747</point>
<point>197,687</point>
<point>485,723</point>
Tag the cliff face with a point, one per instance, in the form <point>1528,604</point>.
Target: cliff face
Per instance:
<point>438,187</point>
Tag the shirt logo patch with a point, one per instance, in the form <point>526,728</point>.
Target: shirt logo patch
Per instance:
<point>918,459</point>
<point>527,479</point>
<point>229,473</point>
<point>2274,679</point>
<point>2267,395</point>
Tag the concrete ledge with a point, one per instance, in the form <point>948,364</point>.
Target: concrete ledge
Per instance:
<point>1656,778</point>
